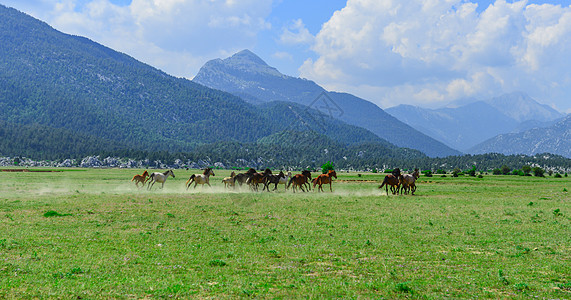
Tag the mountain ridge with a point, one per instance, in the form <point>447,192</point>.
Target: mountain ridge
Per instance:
<point>472,122</point>
<point>555,139</point>
<point>260,87</point>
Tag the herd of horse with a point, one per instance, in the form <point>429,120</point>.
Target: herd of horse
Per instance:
<point>252,178</point>
<point>398,182</point>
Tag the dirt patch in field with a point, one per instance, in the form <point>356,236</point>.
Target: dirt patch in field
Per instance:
<point>27,170</point>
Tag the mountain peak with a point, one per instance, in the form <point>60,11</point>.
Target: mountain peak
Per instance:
<point>521,107</point>
<point>246,56</point>
<point>243,62</point>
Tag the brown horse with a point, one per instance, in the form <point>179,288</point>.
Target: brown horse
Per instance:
<point>324,179</point>
<point>300,180</point>
<point>141,179</point>
<point>393,182</point>
<point>243,177</point>
<point>258,178</point>
<point>408,182</point>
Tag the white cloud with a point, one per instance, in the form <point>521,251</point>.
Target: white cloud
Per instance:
<point>425,51</point>
<point>177,36</point>
<point>296,34</point>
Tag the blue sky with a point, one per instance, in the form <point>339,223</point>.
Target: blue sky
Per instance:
<point>419,52</point>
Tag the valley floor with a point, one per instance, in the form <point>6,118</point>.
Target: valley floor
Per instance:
<point>90,233</point>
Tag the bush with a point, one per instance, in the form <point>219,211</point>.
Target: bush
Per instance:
<point>496,171</point>
<point>389,171</point>
<point>506,170</point>
<point>526,169</point>
<point>538,172</point>
<point>518,172</point>
<point>557,175</point>
<point>440,171</point>
<point>471,172</point>
<point>457,172</point>
<point>326,167</point>
<point>427,173</point>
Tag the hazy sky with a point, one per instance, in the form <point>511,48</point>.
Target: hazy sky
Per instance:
<point>420,52</point>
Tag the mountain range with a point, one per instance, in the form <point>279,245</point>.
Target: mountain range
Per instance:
<point>246,75</point>
<point>554,139</point>
<point>57,90</point>
<point>466,125</point>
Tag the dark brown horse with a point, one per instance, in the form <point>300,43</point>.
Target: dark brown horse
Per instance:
<point>140,179</point>
<point>243,177</point>
<point>300,180</point>
<point>275,179</point>
<point>393,181</point>
<point>258,178</point>
<point>324,179</point>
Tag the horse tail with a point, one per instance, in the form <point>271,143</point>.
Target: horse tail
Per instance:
<point>190,179</point>
<point>384,182</point>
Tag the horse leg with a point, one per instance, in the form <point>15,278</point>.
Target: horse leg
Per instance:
<point>330,187</point>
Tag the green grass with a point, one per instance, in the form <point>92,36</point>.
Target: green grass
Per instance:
<point>92,234</point>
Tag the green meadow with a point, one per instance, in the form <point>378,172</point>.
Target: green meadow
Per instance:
<point>91,234</point>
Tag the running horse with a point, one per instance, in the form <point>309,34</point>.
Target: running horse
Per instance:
<point>408,182</point>
<point>159,177</point>
<point>300,180</point>
<point>285,179</point>
<point>275,179</point>
<point>200,178</point>
<point>258,178</point>
<point>229,181</point>
<point>243,177</point>
<point>393,181</point>
<point>324,179</point>
<point>141,179</point>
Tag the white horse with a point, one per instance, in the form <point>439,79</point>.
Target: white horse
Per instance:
<point>159,177</point>
<point>200,178</point>
<point>285,179</point>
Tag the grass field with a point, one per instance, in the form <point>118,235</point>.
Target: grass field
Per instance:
<point>88,234</point>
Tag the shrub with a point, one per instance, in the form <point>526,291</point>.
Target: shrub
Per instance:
<point>538,172</point>
<point>496,171</point>
<point>526,169</point>
<point>505,170</point>
<point>427,173</point>
<point>389,171</point>
<point>326,167</point>
<point>557,175</point>
<point>471,172</point>
<point>440,171</point>
<point>457,172</point>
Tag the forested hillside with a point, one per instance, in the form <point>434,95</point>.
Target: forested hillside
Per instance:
<point>79,92</point>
